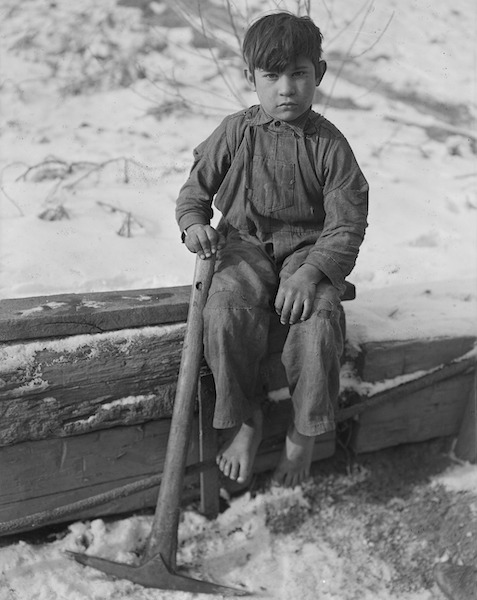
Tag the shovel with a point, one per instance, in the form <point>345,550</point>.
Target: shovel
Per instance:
<point>157,568</point>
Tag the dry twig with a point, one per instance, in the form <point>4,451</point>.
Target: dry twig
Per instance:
<point>126,226</point>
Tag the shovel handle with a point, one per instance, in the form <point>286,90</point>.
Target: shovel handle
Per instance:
<point>163,536</point>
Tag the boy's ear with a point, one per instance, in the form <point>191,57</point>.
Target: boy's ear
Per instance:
<point>249,76</point>
<point>320,72</point>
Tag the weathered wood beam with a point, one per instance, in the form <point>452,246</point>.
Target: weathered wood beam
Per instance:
<point>390,359</point>
<point>88,382</point>
<point>433,411</point>
<point>58,475</point>
<point>73,314</point>
<point>77,507</point>
<point>42,475</point>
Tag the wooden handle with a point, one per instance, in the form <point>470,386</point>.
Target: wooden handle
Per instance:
<point>163,537</point>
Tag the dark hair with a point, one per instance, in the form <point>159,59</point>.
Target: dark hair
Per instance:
<point>274,41</point>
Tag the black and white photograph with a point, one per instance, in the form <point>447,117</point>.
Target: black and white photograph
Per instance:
<point>223,379</point>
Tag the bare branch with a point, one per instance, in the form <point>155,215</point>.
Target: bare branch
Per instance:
<point>99,167</point>
<point>56,213</point>
<point>129,220</point>
<point>350,22</point>
<point>378,39</point>
<point>348,52</point>
<point>68,167</point>
<point>233,23</point>
<point>186,101</point>
<point>220,70</point>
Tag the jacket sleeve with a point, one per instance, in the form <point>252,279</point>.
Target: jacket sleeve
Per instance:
<point>212,159</point>
<point>345,199</point>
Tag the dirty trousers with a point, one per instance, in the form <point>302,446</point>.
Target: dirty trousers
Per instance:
<point>237,318</point>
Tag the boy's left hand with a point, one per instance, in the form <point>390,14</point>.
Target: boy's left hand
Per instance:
<point>295,296</point>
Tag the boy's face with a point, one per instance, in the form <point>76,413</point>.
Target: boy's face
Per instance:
<point>287,95</point>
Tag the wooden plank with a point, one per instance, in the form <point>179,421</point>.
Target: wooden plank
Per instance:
<point>89,382</point>
<point>389,359</point>
<point>45,474</point>
<point>432,412</point>
<point>74,314</point>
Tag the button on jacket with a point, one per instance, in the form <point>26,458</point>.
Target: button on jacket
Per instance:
<point>292,185</point>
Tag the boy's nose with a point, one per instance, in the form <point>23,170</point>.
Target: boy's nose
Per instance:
<point>287,87</point>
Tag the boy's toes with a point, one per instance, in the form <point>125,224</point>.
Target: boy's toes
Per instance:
<point>243,476</point>
<point>287,481</point>
<point>234,470</point>
<point>229,468</point>
<point>277,478</point>
<point>224,465</point>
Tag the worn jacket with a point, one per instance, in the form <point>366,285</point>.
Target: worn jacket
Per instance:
<point>290,185</point>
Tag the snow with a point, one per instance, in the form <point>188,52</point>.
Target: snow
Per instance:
<point>238,550</point>
<point>460,478</point>
<point>243,548</point>
<point>116,156</point>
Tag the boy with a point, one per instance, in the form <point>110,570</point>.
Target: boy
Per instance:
<point>294,205</point>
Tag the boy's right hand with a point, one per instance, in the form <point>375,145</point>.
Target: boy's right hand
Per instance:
<point>203,240</point>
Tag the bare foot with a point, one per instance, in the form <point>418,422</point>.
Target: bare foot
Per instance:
<point>236,458</point>
<point>294,465</point>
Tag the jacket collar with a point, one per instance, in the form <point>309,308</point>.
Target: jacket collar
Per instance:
<point>304,125</point>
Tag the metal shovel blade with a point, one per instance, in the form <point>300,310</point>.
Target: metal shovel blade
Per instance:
<point>154,573</point>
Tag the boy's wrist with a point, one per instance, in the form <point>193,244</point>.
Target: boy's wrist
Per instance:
<point>312,273</point>
<point>190,227</point>
<point>190,219</point>
<point>185,231</point>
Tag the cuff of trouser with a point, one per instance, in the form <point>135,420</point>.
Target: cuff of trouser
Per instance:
<point>226,423</point>
<point>325,425</point>
<point>235,418</point>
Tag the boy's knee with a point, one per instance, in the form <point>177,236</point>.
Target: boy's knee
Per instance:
<point>323,307</point>
<point>227,300</point>
<point>229,293</point>
<point>327,324</point>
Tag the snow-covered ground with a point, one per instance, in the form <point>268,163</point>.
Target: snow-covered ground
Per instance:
<point>101,108</point>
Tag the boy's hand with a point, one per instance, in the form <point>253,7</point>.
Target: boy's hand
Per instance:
<point>203,240</point>
<point>295,296</point>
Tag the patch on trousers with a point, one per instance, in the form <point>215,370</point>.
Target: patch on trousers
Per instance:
<point>227,300</point>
